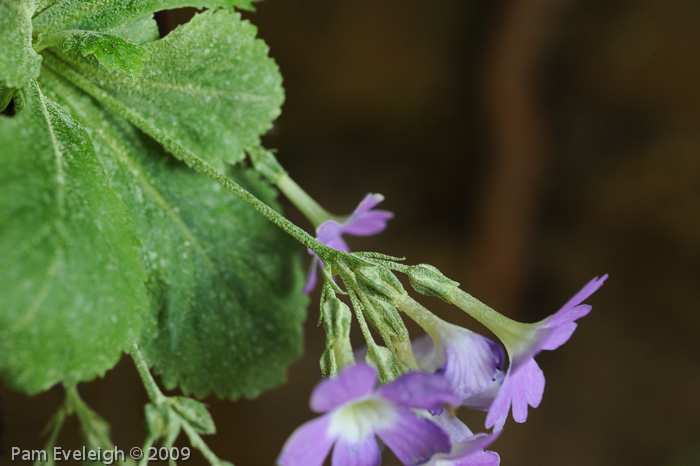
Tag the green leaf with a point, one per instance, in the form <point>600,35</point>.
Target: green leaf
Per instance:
<point>103,15</point>
<point>209,86</point>
<point>6,94</point>
<point>71,288</point>
<point>18,61</point>
<point>245,4</point>
<point>41,5</point>
<point>140,30</point>
<point>227,282</point>
<point>112,52</point>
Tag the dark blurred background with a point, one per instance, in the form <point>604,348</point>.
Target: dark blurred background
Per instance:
<point>525,146</point>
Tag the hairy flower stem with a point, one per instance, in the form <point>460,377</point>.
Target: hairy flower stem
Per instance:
<point>189,157</point>
<point>149,383</point>
<point>305,203</point>
<point>199,444</point>
<point>267,165</point>
<point>54,426</point>
<point>419,313</point>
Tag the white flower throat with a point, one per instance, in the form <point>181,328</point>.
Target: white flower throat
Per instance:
<point>361,418</point>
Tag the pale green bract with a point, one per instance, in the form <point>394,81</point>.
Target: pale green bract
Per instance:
<point>72,296</point>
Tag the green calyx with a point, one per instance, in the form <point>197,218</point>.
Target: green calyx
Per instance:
<point>337,318</point>
<point>379,281</point>
<point>429,281</point>
<point>387,363</point>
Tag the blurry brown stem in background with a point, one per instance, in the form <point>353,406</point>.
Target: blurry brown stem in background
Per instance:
<point>512,194</point>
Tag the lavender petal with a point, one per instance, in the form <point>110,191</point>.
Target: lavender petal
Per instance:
<point>472,362</point>
<point>521,388</point>
<point>420,390</point>
<point>309,444</point>
<point>353,382</point>
<point>311,275</point>
<point>363,453</point>
<point>414,439</point>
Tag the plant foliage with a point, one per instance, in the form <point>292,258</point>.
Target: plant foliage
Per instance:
<point>107,240</point>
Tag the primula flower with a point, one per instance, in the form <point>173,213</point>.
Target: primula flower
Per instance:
<point>364,221</point>
<point>472,363</point>
<point>524,382</point>
<point>467,447</point>
<point>355,411</point>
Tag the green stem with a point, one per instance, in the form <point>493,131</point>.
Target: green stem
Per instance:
<point>305,203</point>
<point>419,313</point>
<point>199,444</point>
<point>266,164</point>
<point>149,383</point>
<point>146,447</point>
<point>350,286</point>
<point>56,423</point>
<point>189,157</point>
<point>52,41</point>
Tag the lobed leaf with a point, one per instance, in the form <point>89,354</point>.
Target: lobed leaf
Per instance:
<point>209,86</point>
<point>18,61</point>
<point>103,15</point>
<point>71,286</point>
<point>226,283</point>
<point>112,52</point>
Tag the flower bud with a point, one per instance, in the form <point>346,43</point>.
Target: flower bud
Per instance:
<point>336,322</point>
<point>385,361</point>
<point>429,281</point>
<point>377,280</point>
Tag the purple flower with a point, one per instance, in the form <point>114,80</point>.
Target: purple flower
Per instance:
<point>355,411</point>
<point>523,385</point>
<point>364,221</point>
<point>472,363</point>
<point>467,447</point>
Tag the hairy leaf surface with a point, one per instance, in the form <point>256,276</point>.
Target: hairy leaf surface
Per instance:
<point>6,94</point>
<point>209,86</point>
<point>140,30</point>
<point>18,61</point>
<point>226,282</point>
<point>72,289</point>
<point>112,52</point>
<point>103,15</point>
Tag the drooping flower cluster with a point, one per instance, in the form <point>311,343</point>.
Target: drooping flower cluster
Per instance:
<point>450,366</point>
